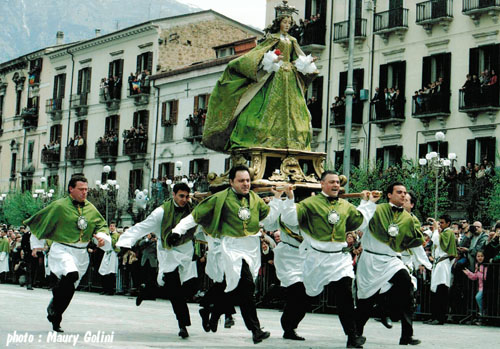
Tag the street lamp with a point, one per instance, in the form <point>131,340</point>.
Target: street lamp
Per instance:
<point>437,163</point>
<point>106,169</point>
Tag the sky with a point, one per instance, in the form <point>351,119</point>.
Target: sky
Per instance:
<point>251,12</point>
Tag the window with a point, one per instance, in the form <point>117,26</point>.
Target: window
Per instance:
<point>105,176</point>
<point>81,129</point>
<point>112,124</point>
<point>223,52</point>
<point>357,104</point>
<point>201,102</point>
<point>55,133</point>
<point>314,7</point>
<point>141,117</point>
<point>168,133</point>
<point>53,181</point>
<point>59,86</point>
<point>425,148</point>
<point>481,149</point>
<point>84,76</point>
<point>198,166</point>
<point>484,58</point>
<point>31,147</point>
<point>116,68</point>
<point>316,98</point>
<point>19,95</point>
<point>389,156</point>
<point>145,62</point>
<point>169,113</point>
<point>393,75</point>
<point>34,71</point>
<point>166,169</point>
<point>26,184</point>
<point>435,67</point>
<point>355,158</point>
<point>1,110</point>
<point>13,161</point>
<point>135,181</point>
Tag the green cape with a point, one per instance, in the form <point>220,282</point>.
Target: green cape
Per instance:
<point>447,242</point>
<point>4,245</point>
<point>171,218</point>
<point>218,214</point>
<point>312,214</point>
<point>409,235</point>
<point>231,89</point>
<point>58,222</point>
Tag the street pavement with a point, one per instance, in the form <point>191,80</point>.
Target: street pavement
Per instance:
<point>96,321</point>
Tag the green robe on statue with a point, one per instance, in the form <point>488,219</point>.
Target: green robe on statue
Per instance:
<point>58,222</point>
<point>251,108</point>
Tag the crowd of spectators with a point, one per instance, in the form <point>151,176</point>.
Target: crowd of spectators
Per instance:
<point>473,177</point>
<point>111,88</point>
<point>388,104</point>
<point>196,122</point>
<point>309,31</point>
<point>108,143</point>
<point>138,83</point>
<point>431,98</point>
<point>135,139</point>
<point>77,147</point>
<point>338,110</point>
<point>52,151</point>
<point>482,90</point>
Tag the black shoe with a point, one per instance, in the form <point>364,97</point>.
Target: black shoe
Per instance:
<point>214,322</point>
<point>205,319</point>
<point>436,322</point>
<point>29,288</point>
<point>259,335</point>
<point>409,341</point>
<point>183,332</point>
<point>56,323</point>
<point>229,322</point>
<point>355,341</point>
<point>386,321</point>
<point>140,296</point>
<point>293,336</point>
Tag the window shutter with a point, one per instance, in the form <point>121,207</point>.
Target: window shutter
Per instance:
<point>135,121</point>
<point>164,113</point>
<point>62,86</point>
<point>379,156</point>
<point>53,133</point>
<point>205,166</point>
<point>196,98</point>
<point>191,166</point>
<point>79,84</point>
<point>471,151</point>
<point>174,112</point>
<point>398,151</point>
<point>447,71</point>
<point>120,68</point>
<point>207,100</point>
<point>171,170</point>
<point>355,156</point>
<point>150,62</point>
<point>339,159</point>
<point>443,149</point>
<point>84,130</point>
<point>145,120</point>
<point>474,60</point>
<point>117,124</point>
<point>308,8</point>
<point>342,83</point>
<point>110,70</point>
<point>138,67</point>
<point>426,70</point>
<point>491,146</point>
<point>382,79</point>
<point>56,86</point>
<point>402,76</point>
<point>131,181</point>
<point>89,77</point>
<point>422,150</point>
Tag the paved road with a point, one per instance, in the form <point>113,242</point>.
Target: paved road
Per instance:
<point>153,325</point>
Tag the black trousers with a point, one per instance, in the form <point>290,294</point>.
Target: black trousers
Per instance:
<point>62,293</point>
<point>439,303</point>
<point>345,304</point>
<point>242,295</point>
<point>401,304</point>
<point>108,282</point>
<point>297,302</point>
<point>178,294</point>
<point>214,293</point>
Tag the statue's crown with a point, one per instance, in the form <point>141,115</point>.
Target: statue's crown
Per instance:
<point>284,10</point>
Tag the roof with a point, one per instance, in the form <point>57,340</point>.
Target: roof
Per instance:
<point>195,66</point>
<point>235,43</point>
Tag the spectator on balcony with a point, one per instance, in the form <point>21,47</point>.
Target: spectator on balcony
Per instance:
<point>379,103</point>
<point>399,103</point>
<point>117,87</point>
<point>111,87</point>
<point>131,80</point>
<point>468,88</point>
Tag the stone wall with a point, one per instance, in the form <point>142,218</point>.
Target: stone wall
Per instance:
<point>186,44</point>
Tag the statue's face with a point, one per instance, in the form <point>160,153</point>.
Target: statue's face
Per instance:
<point>285,24</point>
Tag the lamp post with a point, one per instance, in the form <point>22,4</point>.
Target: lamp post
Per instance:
<point>178,166</point>
<point>436,163</point>
<point>106,169</point>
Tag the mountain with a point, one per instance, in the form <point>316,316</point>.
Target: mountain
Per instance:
<point>29,25</point>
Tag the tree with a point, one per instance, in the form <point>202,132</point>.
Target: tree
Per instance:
<point>19,206</point>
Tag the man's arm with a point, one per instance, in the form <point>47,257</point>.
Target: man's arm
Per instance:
<point>151,224</point>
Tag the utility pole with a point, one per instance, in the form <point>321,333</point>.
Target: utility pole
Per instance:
<point>349,92</point>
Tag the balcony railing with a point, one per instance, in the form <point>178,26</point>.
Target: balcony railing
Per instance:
<point>338,115</point>
<point>79,102</point>
<point>139,93</point>
<point>76,153</point>
<point>469,6</point>
<point>386,112</point>
<point>427,105</point>
<point>433,11</point>
<point>30,117</point>
<point>341,30</point>
<point>51,156</point>
<point>105,150</point>
<point>479,99</point>
<point>53,105</point>
<point>194,132</point>
<point>135,146</point>
<point>391,20</point>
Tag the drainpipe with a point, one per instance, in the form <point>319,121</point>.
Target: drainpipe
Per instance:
<point>156,128</point>
<point>370,111</point>
<point>330,45</point>
<point>69,116</point>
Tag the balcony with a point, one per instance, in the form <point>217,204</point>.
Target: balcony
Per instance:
<point>341,32</point>
<point>134,147</point>
<point>139,94</point>
<point>392,21</point>
<point>475,8</point>
<point>79,103</point>
<point>110,98</point>
<point>106,151</point>
<point>76,154</point>
<point>483,100</point>
<point>51,157</point>
<point>194,132</point>
<point>383,115</point>
<point>53,107</point>
<point>338,116</point>
<point>313,37</point>
<point>431,106</point>
<point>434,12</point>
<point>30,117</point>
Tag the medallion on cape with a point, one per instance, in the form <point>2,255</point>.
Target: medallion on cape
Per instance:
<point>59,222</point>
<point>317,217</point>
<point>383,224</point>
<point>172,215</point>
